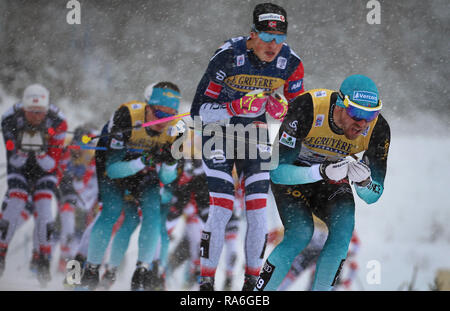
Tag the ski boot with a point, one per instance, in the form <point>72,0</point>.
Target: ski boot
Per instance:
<point>155,281</point>
<point>138,279</point>
<point>206,283</point>
<point>3,250</point>
<point>228,283</point>
<point>90,277</point>
<point>81,259</point>
<point>2,265</point>
<point>150,280</point>
<point>193,277</point>
<point>249,283</point>
<point>34,262</point>
<point>43,270</point>
<point>161,282</point>
<point>108,278</point>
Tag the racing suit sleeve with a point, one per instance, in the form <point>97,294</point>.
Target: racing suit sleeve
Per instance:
<point>116,166</point>
<point>205,103</point>
<point>9,131</point>
<point>376,158</point>
<point>293,86</point>
<point>293,130</point>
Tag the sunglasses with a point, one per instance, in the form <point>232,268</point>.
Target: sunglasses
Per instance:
<point>359,112</point>
<point>36,110</point>
<point>269,37</point>
<point>161,114</point>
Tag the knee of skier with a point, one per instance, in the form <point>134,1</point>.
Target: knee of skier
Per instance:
<point>296,237</point>
<point>340,233</point>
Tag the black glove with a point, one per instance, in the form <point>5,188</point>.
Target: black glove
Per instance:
<point>147,158</point>
<point>164,154</point>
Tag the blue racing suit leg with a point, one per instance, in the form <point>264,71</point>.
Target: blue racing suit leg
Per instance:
<point>112,199</point>
<point>123,235</point>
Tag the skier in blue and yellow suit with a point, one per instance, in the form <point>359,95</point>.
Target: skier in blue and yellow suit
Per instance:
<point>320,131</point>
<point>127,166</point>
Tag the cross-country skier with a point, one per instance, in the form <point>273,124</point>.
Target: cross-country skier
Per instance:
<point>233,93</point>
<point>34,131</point>
<point>124,168</point>
<point>321,130</point>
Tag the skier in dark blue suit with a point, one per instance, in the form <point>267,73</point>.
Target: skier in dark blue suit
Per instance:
<point>235,92</point>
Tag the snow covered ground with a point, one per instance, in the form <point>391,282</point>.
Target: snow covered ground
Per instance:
<point>406,229</point>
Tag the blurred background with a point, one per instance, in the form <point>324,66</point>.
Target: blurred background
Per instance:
<point>122,46</point>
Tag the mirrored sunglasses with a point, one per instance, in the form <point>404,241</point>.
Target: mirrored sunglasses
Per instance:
<point>161,114</point>
<point>359,112</point>
<point>269,37</point>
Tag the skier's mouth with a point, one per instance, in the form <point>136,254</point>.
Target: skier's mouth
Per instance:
<point>356,130</point>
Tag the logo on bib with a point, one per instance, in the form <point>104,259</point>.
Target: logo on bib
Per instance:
<point>288,140</point>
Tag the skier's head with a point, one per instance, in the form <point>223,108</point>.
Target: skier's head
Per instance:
<point>163,94</point>
<point>268,31</point>
<point>35,97</point>
<point>360,90</point>
<point>35,103</point>
<point>83,155</point>
<point>163,99</point>
<point>358,104</point>
<point>82,130</point>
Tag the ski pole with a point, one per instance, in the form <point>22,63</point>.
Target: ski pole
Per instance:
<point>86,139</point>
<point>10,146</point>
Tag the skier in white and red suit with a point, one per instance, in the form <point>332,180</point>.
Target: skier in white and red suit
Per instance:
<point>34,133</point>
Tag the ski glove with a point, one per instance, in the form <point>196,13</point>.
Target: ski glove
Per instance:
<point>46,162</point>
<point>164,154</point>
<point>19,158</point>
<point>277,106</point>
<point>252,102</point>
<point>358,171</point>
<point>334,170</point>
<point>147,158</point>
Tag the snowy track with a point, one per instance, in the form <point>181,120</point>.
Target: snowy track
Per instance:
<point>406,229</point>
